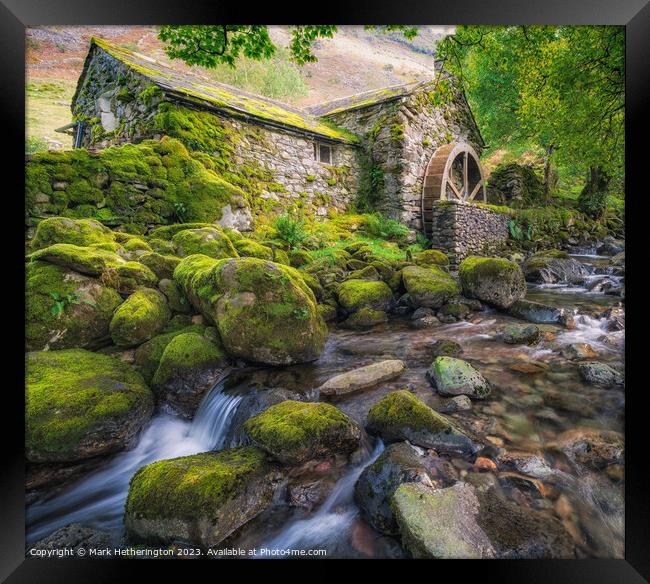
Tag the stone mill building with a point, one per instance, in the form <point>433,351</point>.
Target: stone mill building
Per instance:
<point>410,151</point>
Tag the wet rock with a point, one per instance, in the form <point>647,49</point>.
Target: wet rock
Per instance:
<point>462,521</point>
<point>484,464</point>
<point>452,312</point>
<point>529,463</point>
<point>610,247</point>
<point>308,492</point>
<point>592,448</point>
<point>496,281</point>
<point>81,404</point>
<point>615,319</point>
<point>294,432</point>
<point>600,374</point>
<point>189,367</point>
<point>141,316</point>
<point>425,322</point>
<point>604,284</point>
<point>451,376</point>
<point>74,536</point>
<point>530,367</point>
<point>422,312</point>
<point>445,348</point>
<point>618,260</point>
<point>536,312</point>
<point>518,334</point>
<point>199,499</point>
<point>460,403</point>
<point>373,492</point>
<point>552,268</point>
<point>365,318</point>
<point>363,377</point>
<point>577,351</point>
<point>402,416</point>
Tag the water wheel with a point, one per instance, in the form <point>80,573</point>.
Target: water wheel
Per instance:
<point>453,173</point>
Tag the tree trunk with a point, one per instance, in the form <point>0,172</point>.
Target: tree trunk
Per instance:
<point>593,198</point>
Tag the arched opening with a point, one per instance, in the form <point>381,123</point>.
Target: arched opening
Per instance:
<point>453,173</point>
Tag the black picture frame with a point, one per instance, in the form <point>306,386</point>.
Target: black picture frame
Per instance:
<point>15,15</point>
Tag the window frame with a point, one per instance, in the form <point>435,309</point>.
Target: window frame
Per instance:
<point>318,146</point>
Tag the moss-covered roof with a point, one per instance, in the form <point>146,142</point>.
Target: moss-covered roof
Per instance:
<point>365,99</point>
<point>224,98</point>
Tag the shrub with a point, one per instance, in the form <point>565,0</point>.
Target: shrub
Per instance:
<point>377,225</point>
<point>290,230</point>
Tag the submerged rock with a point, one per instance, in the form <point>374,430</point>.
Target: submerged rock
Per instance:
<point>402,416</point>
<point>595,449</point>
<point>451,376</point>
<point>464,522</point>
<point>429,286</point>
<point>399,463</point>
<point>199,499</point>
<point>518,334</point>
<point>81,404</point>
<point>363,377</point>
<point>74,536</point>
<point>189,367</point>
<point>576,351</point>
<point>537,312</point>
<point>264,311</point>
<point>600,374</point>
<point>445,348</point>
<point>294,432</point>
<point>496,281</point>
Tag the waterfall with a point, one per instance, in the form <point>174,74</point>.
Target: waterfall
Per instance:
<point>98,499</point>
<point>332,519</point>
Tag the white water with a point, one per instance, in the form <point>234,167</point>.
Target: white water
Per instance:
<point>592,331</point>
<point>98,499</point>
<point>333,518</point>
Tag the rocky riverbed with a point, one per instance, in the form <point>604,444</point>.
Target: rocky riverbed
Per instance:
<point>445,415</point>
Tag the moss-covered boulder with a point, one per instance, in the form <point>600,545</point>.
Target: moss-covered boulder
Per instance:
<point>299,258</point>
<point>402,416</point>
<point>81,232</point>
<point>149,353</point>
<point>199,499</point>
<point>428,287</point>
<point>189,367</point>
<point>175,297</point>
<point>81,404</point>
<point>451,376</point>
<point>497,281</point>
<point>373,492</point>
<point>294,432</point>
<point>356,294</point>
<point>126,278</point>
<point>554,266</point>
<point>64,309</point>
<point>264,311</point>
<point>431,257</point>
<point>252,249</point>
<point>210,241</point>
<point>600,374</point>
<point>365,318</point>
<point>362,377</point>
<point>91,261</point>
<point>141,316</point>
<point>160,264</point>
<point>463,522</point>
<point>521,334</point>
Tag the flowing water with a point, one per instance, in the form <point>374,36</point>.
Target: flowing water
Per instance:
<point>537,395</point>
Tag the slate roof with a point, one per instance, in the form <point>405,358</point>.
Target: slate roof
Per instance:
<point>221,97</point>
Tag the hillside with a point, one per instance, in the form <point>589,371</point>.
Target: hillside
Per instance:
<point>353,61</point>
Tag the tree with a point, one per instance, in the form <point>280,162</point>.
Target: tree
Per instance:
<point>562,87</point>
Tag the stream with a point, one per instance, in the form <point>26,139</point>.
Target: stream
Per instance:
<point>526,411</point>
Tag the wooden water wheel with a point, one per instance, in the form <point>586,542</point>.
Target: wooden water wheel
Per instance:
<point>453,173</point>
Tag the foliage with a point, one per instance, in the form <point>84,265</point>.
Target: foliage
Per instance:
<point>35,144</point>
<point>379,226</point>
<point>290,230</point>
<point>61,302</point>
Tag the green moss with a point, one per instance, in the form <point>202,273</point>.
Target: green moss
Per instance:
<point>210,241</point>
<point>80,232</point>
<point>167,232</point>
<point>497,281</point>
<point>192,486</point>
<point>74,395</point>
<point>187,352</point>
<point>365,318</point>
<point>162,266</point>
<point>88,307</point>
<point>299,258</point>
<point>128,277</point>
<point>431,257</point>
<point>294,431</point>
<point>85,260</point>
<point>249,248</point>
<point>356,294</point>
<point>400,409</point>
<point>142,315</point>
<point>430,287</point>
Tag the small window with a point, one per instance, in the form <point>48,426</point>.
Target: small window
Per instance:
<point>323,153</point>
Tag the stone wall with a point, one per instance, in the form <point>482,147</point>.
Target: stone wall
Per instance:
<point>463,229</point>
<point>401,136</point>
<point>277,167</point>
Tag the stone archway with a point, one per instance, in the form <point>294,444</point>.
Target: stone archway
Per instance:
<point>453,173</point>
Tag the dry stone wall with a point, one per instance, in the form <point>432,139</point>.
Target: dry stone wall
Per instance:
<point>464,229</point>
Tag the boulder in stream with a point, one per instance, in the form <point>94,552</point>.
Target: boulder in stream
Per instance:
<point>363,377</point>
<point>520,334</point>
<point>592,448</point>
<point>463,521</point>
<point>496,281</point>
<point>402,416</point>
<point>199,499</point>
<point>294,432</point>
<point>141,316</point>
<point>552,267</point>
<point>451,376</point>
<point>536,312</point>
<point>429,286</point>
<point>600,374</point>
